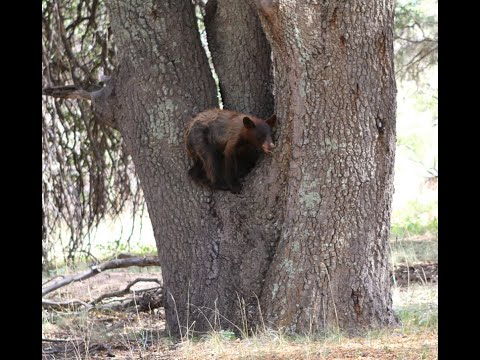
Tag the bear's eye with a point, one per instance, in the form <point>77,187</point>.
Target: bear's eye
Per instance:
<point>260,137</point>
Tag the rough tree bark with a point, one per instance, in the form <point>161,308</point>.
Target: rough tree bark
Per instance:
<point>308,233</point>
<point>335,94</point>
<point>163,78</point>
<point>214,247</point>
<point>211,256</point>
<point>241,55</point>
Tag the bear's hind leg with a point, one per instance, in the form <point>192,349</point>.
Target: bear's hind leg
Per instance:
<point>213,165</point>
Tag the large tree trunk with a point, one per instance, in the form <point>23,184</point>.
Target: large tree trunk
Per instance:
<point>335,94</point>
<point>250,221</point>
<point>213,246</point>
<point>241,55</point>
<point>308,233</point>
<point>163,79</point>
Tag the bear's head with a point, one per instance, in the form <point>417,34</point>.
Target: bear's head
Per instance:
<point>259,132</point>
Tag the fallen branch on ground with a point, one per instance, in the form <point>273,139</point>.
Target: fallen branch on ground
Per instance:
<point>127,290</point>
<point>53,278</point>
<point>62,305</point>
<point>74,345</point>
<point>108,265</point>
<point>60,340</point>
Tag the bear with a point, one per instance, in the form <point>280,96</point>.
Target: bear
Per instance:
<point>225,145</point>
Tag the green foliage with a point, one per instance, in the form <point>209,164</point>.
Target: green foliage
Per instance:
<point>419,316</point>
<point>416,218</point>
<point>113,248</point>
<point>227,335</point>
<point>414,226</point>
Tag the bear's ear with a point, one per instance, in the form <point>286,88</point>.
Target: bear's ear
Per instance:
<point>248,123</point>
<point>272,120</point>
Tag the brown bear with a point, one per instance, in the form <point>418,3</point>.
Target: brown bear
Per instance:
<point>225,146</point>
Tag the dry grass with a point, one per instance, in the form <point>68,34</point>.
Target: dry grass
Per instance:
<point>393,345</point>
<point>414,250</point>
<point>137,340</point>
<point>94,334</point>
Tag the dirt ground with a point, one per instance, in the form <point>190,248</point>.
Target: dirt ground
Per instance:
<point>102,334</point>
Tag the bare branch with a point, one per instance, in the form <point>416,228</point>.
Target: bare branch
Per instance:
<point>108,265</point>
<point>67,92</point>
<point>127,290</point>
<point>100,99</point>
<point>62,305</point>
<point>415,60</point>
<point>416,40</point>
<point>69,346</point>
<point>60,340</point>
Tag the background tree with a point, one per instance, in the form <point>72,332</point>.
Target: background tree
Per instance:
<point>307,238</point>
<point>86,175</point>
<point>416,39</point>
<point>416,59</point>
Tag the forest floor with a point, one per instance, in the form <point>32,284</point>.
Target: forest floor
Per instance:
<point>101,334</point>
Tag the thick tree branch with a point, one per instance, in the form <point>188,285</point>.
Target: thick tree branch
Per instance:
<point>101,99</point>
<point>94,270</point>
<point>67,92</point>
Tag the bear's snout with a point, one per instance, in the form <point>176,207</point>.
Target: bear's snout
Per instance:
<point>268,147</point>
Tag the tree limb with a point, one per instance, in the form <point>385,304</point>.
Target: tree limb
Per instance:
<point>60,340</point>
<point>61,305</point>
<point>101,99</point>
<point>108,265</point>
<point>67,92</point>
<point>50,280</point>
<point>421,41</point>
<point>126,290</point>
